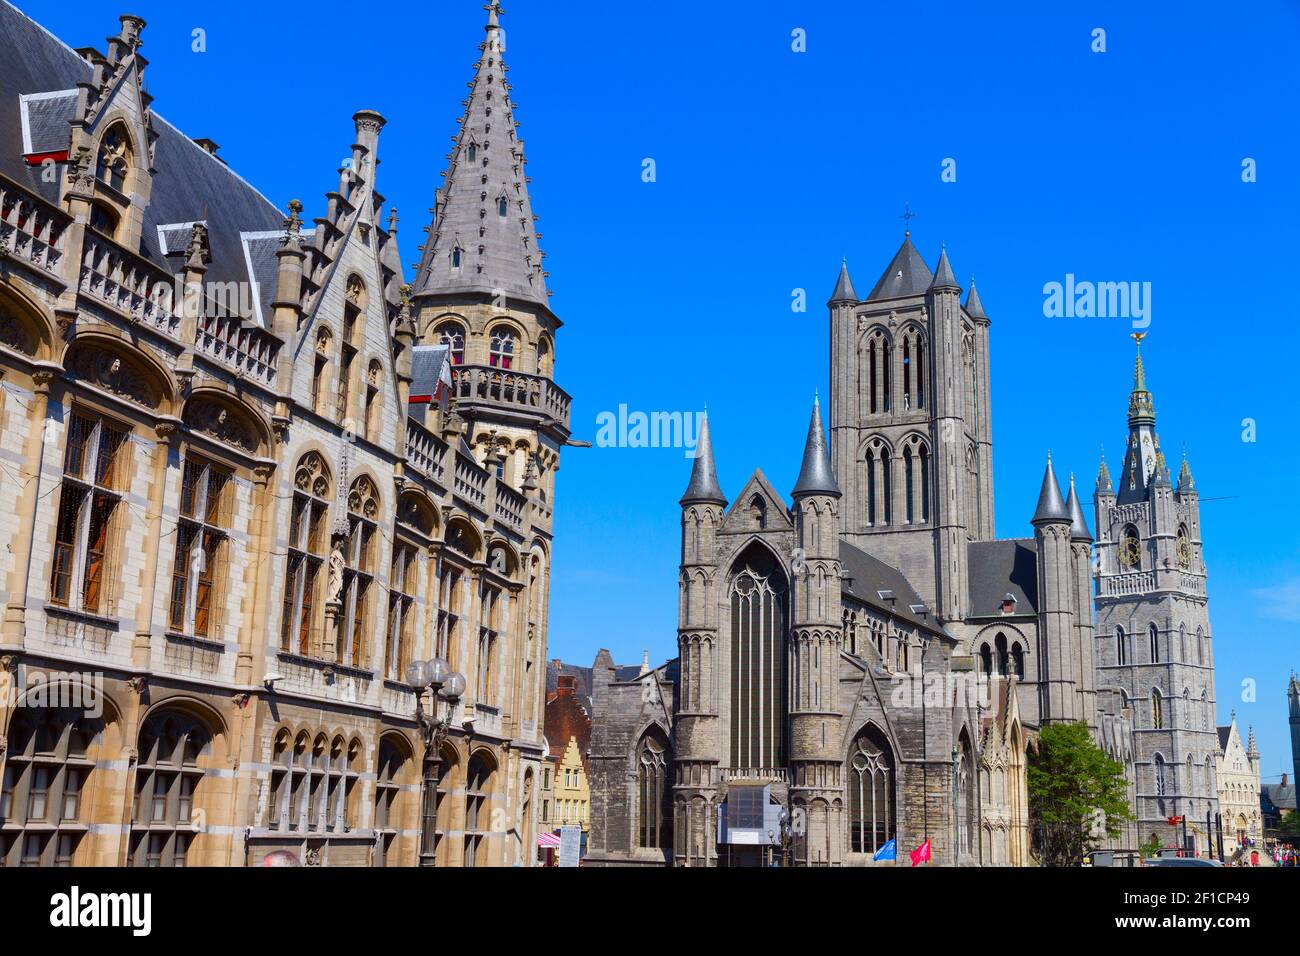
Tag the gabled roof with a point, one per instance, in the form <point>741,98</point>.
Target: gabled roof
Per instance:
<point>866,576</point>
<point>907,275</point>
<point>999,568</point>
<point>189,183</point>
<point>498,252</point>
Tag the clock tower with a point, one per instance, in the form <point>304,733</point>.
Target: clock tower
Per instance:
<point>1155,665</point>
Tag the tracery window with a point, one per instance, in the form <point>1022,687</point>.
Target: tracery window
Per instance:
<point>453,336</point>
<point>202,532</point>
<point>167,783</point>
<point>478,792</point>
<point>1157,711</point>
<point>871,792</point>
<point>651,793</point>
<point>1153,636</point>
<point>94,477</point>
<point>758,679</point>
<point>114,158</point>
<point>1121,653</point>
<point>488,634</point>
<point>502,347</point>
<point>308,543</point>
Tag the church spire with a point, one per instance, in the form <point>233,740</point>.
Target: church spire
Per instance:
<point>1051,506</point>
<point>816,477</point>
<point>943,277</point>
<point>974,307</point>
<point>704,475</point>
<point>843,286</point>
<point>1078,523</point>
<point>1141,408</point>
<point>483,239</point>
<point>1144,464</point>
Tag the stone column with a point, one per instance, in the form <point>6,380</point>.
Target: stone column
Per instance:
<point>28,504</point>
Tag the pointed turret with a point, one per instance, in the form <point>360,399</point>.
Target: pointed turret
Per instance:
<point>1078,523</point>
<point>483,238</point>
<point>704,475</point>
<point>1185,482</point>
<point>1104,486</point>
<point>1051,506</point>
<point>943,277</point>
<point>816,477</point>
<point>974,307</point>
<point>843,286</point>
<point>907,275</point>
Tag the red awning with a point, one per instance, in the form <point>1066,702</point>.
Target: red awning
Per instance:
<point>548,839</point>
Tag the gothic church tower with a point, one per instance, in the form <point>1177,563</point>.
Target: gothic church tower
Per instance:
<point>1153,643</point>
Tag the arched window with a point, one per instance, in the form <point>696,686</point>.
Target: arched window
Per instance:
<point>198,572</point>
<point>478,812</point>
<point>878,362</point>
<point>403,581</point>
<point>1121,653</point>
<point>489,633</point>
<point>472,152</point>
<point>370,416</point>
<point>871,792</point>
<point>167,785</point>
<point>443,806</point>
<point>1187,710</point>
<point>758,627</point>
<point>966,798</point>
<point>1162,782</point>
<point>453,336</point>
<point>503,207</point>
<point>653,820</point>
<point>308,544</point>
<point>1157,711</point>
<point>502,347</point>
<point>1205,711</point>
<point>907,373</point>
<point>908,492</point>
<point>455,257</point>
<point>1018,660</point>
<point>1000,643</point>
<point>358,552</point>
<point>114,159</point>
<point>986,660</point>
<point>758,512</point>
<point>871,487</point>
<point>320,362</point>
<point>923,460</point>
<point>544,366</point>
<point>84,568</point>
<point>48,763</point>
<point>1153,636</point>
<point>389,774</point>
<point>1130,549</point>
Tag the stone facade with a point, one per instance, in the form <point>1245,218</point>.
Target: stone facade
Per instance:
<point>229,514</point>
<point>1238,782</point>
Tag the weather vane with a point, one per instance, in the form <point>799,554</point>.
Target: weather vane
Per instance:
<point>907,217</point>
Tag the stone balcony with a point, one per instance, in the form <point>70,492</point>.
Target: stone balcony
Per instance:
<point>481,387</point>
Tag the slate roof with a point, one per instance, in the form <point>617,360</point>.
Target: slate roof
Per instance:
<point>703,486</point>
<point>943,277</point>
<point>844,286</point>
<point>816,475</point>
<point>1051,506</point>
<point>1224,734</point>
<point>999,568</point>
<point>907,275</point>
<point>189,183</point>
<point>865,576</point>
<point>505,256</point>
<point>974,307</point>
<point>1281,797</point>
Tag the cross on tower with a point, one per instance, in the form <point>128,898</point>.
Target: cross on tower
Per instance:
<point>907,216</point>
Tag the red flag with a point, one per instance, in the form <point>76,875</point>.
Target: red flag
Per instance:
<point>921,854</point>
<point>1173,821</point>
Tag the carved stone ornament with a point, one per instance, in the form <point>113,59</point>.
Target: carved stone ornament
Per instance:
<point>110,372</point>
<point>312,476</point>
<point>16,334</point>
<point>216,421</point>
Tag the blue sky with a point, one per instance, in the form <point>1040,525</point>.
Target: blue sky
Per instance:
<point>771,165</point>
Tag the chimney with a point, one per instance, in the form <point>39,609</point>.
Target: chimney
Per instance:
<point>207,145</point>
<point>1284,780</point>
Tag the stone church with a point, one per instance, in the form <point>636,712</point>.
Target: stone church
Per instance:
<point>870,663</point>
<point>250,475</point>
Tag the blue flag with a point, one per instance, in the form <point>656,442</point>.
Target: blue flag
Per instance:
<point>887,852</point>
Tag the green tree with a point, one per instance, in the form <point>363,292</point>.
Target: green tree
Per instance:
<point>1075,790</point>
<point>1289,825</point>
<point>1151,847</point>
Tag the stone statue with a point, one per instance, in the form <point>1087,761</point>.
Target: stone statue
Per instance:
<point>336,573</point>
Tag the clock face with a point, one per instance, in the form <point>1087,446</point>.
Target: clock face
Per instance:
<point>1130,550</point>
<point>1184,552</point>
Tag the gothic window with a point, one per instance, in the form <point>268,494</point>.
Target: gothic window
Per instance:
<point>758,512</point>
<point>48,763</point>
<point>349,343</point>
<point>359,549</point>
<point>502,348</point>
<point>455,257</point>
<point>1187,710</point>
<point>907,484</point>
<point>1000,643</point>
<point>1018,660</point>
<point>370,417</point>
<point>488,634</point>
<point>758,626</point>
<point>103,220</point>
<point>167,783</point>
<point>966,802</point>
<point>1130,549</point>
<point>94,477</point>
<point>1121,655</point>
<point>478,812</point>
<point>453,336</point>
<point>907,373</point>
<point>871,487</point>
<point>201,542</point>
<point>1157,711</point>
<point>1153,638</point>
<point>389,773</point>
<point>544,356</point>
<point>401,602</point>
<point>652,807</point>
<point>1205,711</point>
<point>1162,782</point>
<point>871,792</point>
<point>878,362</point>
<point>923,459</point>
<point>114,159</point>
<point>472,152</point>
<point>502,207</point>
<point>986,660</point>
<point>320,362</point>
<point>447,635</point>
<point>308,544</point>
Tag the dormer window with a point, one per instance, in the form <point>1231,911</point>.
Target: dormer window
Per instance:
<point>502,207</point>
<point>1008,603</point>
<point>473,152</point>
<point>114,159</point>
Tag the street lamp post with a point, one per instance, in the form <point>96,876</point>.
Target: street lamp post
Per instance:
<point>446,686</point>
